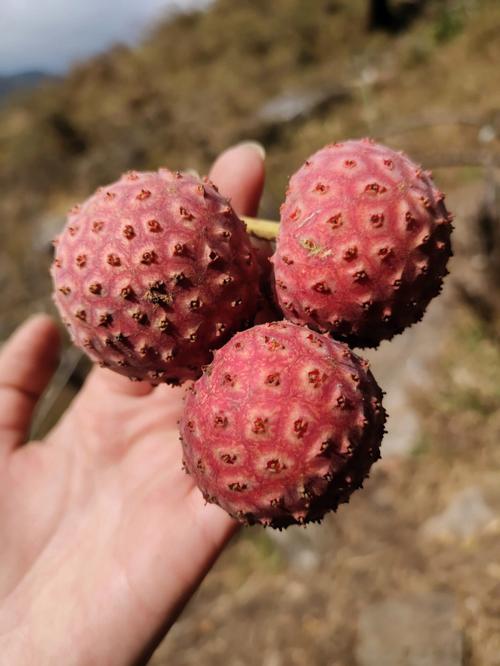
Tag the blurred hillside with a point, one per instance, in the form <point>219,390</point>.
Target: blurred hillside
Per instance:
<point>22,81</point>
<point>293,74</point>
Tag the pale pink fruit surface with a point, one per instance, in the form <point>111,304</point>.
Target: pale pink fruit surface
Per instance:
<point>153,272</point>
<point>363,244</point>
<point>283,425</point>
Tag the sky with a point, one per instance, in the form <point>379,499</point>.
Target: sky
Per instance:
<point>51,35</point>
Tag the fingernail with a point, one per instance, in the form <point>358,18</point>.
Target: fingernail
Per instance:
<point>254,145</point>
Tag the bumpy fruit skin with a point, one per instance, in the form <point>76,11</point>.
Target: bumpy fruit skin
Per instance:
<point>153,272</point>
<point>283,426</point>
<point>363,243</point>
<point>267,307</point>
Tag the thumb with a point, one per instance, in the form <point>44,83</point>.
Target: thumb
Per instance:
<point>239,174</point>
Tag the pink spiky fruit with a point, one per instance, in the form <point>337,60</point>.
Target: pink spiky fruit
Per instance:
<point>363,244</point>
<point>283,426</point>
<point>153,272</point>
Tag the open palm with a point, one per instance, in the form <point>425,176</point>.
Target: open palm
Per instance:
<point>102,536</point>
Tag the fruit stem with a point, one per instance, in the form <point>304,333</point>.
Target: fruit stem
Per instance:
<point>267,229</point>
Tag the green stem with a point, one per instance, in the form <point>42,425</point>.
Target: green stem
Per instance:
<point>266,229</point>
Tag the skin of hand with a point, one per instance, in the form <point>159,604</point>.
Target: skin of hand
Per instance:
<point>103,537</point>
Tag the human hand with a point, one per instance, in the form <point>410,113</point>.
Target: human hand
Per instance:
<point>103,538</point>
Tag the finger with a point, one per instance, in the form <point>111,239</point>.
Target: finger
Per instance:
<point>101,379</point>
<point>27,362</point>
<point>239,174</point>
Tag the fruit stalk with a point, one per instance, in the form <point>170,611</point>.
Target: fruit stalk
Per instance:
<point>265,229</point>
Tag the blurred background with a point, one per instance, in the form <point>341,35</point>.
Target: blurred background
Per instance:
<point>409,572</point>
